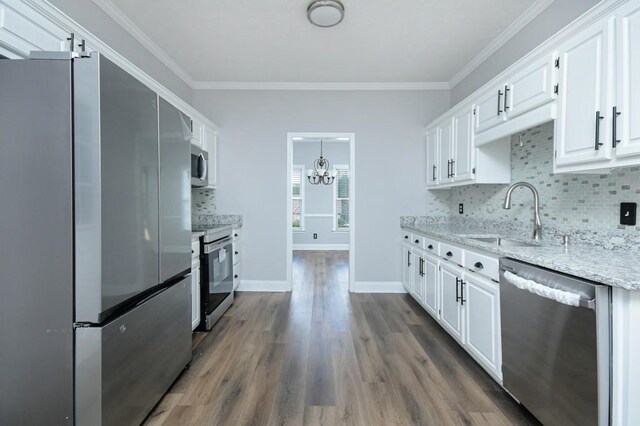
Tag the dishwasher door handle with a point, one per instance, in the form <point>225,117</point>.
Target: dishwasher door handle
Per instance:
<point>560,296</point>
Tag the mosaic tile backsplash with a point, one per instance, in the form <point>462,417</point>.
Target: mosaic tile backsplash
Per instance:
<point>574,200</point>
<point>203,202</point>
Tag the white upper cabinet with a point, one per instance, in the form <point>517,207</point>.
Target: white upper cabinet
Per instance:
<point>432,156</point>
<point>197,133</point>
<point>445,151</point>
<point>462,168</point>
<point>530,87</point>
<point>583,123</point>
<point>627,119</point>
<point>210,144</point>
<point>489,108</point>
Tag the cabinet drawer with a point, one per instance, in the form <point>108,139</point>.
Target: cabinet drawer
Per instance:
<point>482,264</point>
<point>417,241</point>
<point>195,249</point>
<point>451,253</point>
<point>432,246</point>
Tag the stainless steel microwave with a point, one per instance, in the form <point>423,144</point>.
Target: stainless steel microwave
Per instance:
<point>199,167</point>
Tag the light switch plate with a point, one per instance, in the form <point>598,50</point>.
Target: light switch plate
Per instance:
<point>628,213</point>
<point>461,208</point>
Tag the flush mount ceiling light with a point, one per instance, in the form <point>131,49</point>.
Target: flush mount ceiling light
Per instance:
<point>325,13</point>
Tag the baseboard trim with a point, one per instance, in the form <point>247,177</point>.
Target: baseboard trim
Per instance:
<point>322,247</point>
<point>266,286</point>
<point>378,287</point>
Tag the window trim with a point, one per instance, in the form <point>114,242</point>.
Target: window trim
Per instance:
<point>335,198</point>
<point>301,197</point>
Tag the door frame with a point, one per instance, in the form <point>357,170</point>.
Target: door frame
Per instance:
<point>352,198</point>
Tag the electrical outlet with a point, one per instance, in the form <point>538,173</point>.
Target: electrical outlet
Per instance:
<point>628,213</point>
<point>315,236</point>
<point>461,208</point>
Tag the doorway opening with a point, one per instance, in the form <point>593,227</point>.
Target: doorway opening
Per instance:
<point>321,211</point>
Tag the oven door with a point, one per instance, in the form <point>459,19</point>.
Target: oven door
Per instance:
<point>217,275</point>
<point>199,167</point>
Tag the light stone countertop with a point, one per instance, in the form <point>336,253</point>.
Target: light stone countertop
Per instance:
<point>616,268</point>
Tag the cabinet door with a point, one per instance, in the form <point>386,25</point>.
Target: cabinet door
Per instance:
<point>530,87</point>
<point>418,277</point>
<point>197,137</point>
<point>210,144</point>
<point>489,109</point>
<point>628,80</point>
<point>450,306</point>
<point>431,293</point>
<point>432,156</point>
<point>445,151</point>
<point>463,145</point>
<point>584,85</point>
<point>195,294</point>
<point>482,321</point>
<point>407,276</point>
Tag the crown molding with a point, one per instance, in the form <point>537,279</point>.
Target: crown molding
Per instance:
<point>232,85</point>
<point>516,26</point>
<point>136,32</point>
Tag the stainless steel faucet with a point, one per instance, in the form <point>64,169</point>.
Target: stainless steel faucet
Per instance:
<point>537,224</point>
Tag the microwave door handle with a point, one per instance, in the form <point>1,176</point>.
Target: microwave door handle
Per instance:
<point>205,168</point>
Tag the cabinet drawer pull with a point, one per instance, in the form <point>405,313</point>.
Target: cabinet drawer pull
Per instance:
<point>417,241</point>
<point>449,254</point>
<point>236,252</point>
<point>430,247</point>
<point>479,265</point>
<point>235,276</point>
<point>406,237</point>
<point>599,117</point>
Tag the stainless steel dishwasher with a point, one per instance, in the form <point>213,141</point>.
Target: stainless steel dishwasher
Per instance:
<point>556,344</point>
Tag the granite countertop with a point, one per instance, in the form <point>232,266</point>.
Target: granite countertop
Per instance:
<point>202,224</point>
<point>617,268</point>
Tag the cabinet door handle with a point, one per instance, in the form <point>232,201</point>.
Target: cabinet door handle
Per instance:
<point>598,119</point>
<point>449,254</point>
<point>462,283</point>
<point>408,259</point>
<point>614,128</point>
<point>448,168</point>
<point>479,265</point>
<point>433,174</point>
<point>457,290</point>
<point>421,267</point>
<point>506,91</point>
<point>452,168</point>
<point>499,98</point>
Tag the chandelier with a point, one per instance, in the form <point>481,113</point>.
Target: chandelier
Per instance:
<point>321,172</point>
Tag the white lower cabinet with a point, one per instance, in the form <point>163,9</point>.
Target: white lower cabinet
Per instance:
<point>482,322</point>
<point>460,292</point>
<point>407,273</point>
<point>451,308</point>
<point>430,300</point>
<point>195,293</point>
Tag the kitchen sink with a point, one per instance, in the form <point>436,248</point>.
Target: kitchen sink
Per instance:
<point>504,242</point>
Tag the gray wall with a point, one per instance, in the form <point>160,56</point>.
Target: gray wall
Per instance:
<point>578,200</point>
<point>318,199</point>
<point>91,17</point>
<point>389,129</point>
<point>557,16</point>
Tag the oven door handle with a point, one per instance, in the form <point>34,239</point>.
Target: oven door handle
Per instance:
<point>209,248</point>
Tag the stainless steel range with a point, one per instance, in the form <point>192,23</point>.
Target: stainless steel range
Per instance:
<point>216,262</point>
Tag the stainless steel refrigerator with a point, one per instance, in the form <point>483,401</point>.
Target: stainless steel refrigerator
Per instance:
<point>95,243</point>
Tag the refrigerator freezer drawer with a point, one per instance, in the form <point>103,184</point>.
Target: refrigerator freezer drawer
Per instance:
<point>124,368</point>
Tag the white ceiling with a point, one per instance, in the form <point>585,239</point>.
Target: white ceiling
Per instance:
<point>379,41</point>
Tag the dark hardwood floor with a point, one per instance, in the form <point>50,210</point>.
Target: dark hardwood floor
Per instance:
<point>320,355</point>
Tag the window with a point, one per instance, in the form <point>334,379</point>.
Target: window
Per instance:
<point>297,198</point>
<point>341,196</point>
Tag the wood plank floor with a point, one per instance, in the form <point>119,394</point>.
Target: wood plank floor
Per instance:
<point>322,356</point>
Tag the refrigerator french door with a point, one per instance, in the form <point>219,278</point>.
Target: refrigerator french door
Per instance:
<point>95,243</point>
